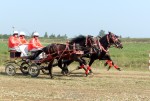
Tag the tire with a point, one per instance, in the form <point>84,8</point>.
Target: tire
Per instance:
<point>24,68</point>
<point>34,70</point>
<point>10,69</point>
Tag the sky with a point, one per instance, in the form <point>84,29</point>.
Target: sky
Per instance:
<point>128,18</point>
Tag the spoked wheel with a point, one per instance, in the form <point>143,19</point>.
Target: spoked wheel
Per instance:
<point>24,68</point>
<point>10,69</point>
<point>34,70</point>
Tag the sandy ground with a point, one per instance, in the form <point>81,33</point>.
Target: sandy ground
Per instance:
<point>103,85</point>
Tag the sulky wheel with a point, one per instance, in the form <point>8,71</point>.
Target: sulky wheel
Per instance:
<point>34,70</point>
<point>10,69</point>
<point>24,68</point>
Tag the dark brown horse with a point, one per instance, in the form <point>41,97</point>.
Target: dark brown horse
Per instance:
<point>103,45</point>
<point>60,51</point>
<point>69,52</point>
<point>87,44</point>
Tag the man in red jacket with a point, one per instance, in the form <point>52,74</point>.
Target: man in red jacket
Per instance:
<point>22,38</point>
<point>34,43</point>
<point>35,47</point>
<point>13,42</point>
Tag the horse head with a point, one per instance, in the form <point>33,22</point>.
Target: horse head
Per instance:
<point>113,39</point>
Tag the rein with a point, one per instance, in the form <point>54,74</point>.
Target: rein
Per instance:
<point>101,47</point>
<point>108,41</point>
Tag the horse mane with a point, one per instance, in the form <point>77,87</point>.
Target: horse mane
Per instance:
<point>77,39</point>
<point>103,41</point>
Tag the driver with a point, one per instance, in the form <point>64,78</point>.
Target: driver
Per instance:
<point>34,43</point>
<point>13,42</point>
<point>35,47</point>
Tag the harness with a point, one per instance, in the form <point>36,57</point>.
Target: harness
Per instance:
<point>67,48</point>
<point>100,46</point>
<point>108,41</point>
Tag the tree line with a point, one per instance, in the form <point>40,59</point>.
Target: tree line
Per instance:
<point>51,36</point>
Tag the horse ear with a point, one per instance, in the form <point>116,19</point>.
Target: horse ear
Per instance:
<point>90,35</point>
<point>109,33</point>
<point>117,36</point>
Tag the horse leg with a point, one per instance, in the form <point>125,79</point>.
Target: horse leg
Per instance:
<point>64,66</point>
<point>50,68</point>
<point>61,67</point>
<point>90,63</point>
<point>82,63</point>
<point>115,66</point>
<point>110,63</point>
<point>88,69</point>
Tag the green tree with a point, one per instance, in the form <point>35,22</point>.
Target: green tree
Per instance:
<point>101,33</point>
<point>46,35</point>
<point>64,36</point>
<point>58,36</point>
<point>52,36</point>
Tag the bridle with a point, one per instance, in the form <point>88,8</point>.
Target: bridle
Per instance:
<point>111,39</point>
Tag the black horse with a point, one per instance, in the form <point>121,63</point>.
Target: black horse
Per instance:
<point>100,53</point>
<point>87,45</point>
<point>104,44</point>
<point>62,51</point>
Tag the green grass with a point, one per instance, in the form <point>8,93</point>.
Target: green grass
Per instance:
<point>133,55</point>
<point>3,52</point>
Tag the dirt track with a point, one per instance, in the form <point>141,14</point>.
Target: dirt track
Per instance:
<point>104,85</point>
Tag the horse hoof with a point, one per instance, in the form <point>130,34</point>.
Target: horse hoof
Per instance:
<point>105,64</point>
<point>118,69</point>
<point>68,74</point>
<point>91,74</point>
<point>52,77</point>
<point>62,72</point>
<point>86,75</point>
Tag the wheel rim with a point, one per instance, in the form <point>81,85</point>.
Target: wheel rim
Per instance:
<point>10,70</point>
<point>24,68</point>
<point>34,71</point>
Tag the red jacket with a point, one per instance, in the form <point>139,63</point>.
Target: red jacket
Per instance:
<point>22,40</point>
<point>34,43</point>
<point>13,42</point>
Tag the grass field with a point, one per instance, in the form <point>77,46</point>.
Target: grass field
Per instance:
<point>130,84</point>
